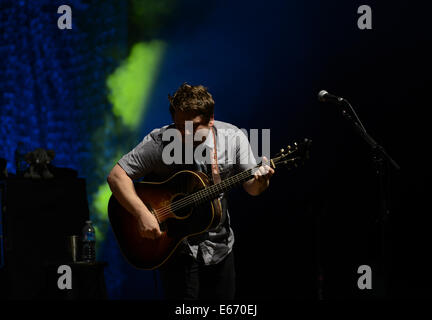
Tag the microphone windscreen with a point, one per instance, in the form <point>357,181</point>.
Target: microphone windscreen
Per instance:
<point>321,95</point>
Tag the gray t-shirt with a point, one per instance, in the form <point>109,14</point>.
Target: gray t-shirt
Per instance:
<point>234,155</point>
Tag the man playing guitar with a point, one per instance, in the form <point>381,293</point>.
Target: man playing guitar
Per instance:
<point>202,266</point>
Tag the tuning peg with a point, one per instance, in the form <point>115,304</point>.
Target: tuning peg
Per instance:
<point>282,150</point>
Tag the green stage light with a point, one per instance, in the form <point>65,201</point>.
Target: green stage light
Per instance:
<point>101,201</point>
<point>131,83</point>
<point>130,87</point>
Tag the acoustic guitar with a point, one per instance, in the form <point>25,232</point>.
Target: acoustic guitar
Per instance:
<point>185,204</point>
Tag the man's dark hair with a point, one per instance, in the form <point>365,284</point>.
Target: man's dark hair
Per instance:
<point>195,99</point>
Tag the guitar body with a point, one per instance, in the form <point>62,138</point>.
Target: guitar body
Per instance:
<point>175,224</point>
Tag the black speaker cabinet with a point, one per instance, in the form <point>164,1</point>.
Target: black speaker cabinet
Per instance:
<point>37,219</point>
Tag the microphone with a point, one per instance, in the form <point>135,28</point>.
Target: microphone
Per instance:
<point>324,96</point>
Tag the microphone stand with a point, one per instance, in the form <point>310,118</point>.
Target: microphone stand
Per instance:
<point>381,160</point>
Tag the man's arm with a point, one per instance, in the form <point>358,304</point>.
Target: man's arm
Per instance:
<point>122,187</point>
<point>260,181</point>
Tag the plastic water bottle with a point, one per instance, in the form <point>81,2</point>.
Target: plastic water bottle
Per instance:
<point>88,242</point>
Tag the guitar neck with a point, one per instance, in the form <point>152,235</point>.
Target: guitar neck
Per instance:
<point>291,157</point>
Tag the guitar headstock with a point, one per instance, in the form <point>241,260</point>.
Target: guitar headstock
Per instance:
<point>293,155</point>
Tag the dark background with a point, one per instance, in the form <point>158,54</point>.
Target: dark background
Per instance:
<point>264,63</point>
<point>324,216</point>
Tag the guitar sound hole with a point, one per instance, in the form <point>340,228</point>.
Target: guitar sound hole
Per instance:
<point>179,212</point>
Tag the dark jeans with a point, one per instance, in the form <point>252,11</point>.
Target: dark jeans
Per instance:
<point>183,278</point>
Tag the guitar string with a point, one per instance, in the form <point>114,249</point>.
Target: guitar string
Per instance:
<point>202,194</point>
<point>208,192</point>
